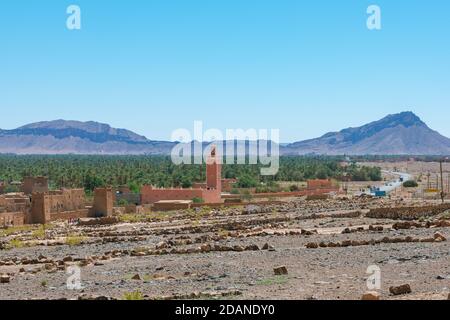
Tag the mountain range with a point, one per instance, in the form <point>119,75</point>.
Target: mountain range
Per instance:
<point>398,134</point>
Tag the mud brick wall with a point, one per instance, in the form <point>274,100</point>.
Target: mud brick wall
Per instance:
<point>407,213</point>
<point>151,195</point>
<point>169,206</point>
<point>78,214</point>
<point>103,202</point>
<point>34,184</point>
<point>12,219</point>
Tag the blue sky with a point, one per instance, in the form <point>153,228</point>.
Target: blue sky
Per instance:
<point>305,67</point>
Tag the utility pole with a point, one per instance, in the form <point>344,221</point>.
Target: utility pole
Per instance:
<point>448,182</point>
<point>442,183</point>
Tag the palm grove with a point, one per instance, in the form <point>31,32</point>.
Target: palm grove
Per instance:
<point>89,172</point>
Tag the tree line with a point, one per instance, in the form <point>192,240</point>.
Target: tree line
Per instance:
<point>89,172</point>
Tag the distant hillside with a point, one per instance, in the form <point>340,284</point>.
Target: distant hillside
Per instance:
<point>402,133</point>
<point>75,137</point>
<point>397,134</point>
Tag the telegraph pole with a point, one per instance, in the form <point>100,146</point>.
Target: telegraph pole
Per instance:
<point>442,183</point>
<point>448,182</point>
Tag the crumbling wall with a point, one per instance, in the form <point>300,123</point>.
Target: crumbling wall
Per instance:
<point>12,219</point>
<point>40,208</point>
<point>34,184</point>
<point>103,203</point>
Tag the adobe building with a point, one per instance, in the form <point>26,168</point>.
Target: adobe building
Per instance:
<point>14,209</point>
<point>31,185</point>
<point>51,205</point>
<point>17,209</point>
<point>69,204</point>
<point>103,203</point>
<point>210,192</point>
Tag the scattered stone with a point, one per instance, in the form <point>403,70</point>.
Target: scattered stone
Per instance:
<point>281,270</point>
<point>4,278</point>
<point>371,296</point>
<point>136,277</point>
<point>403,289</point>
<point>439,237</point>
<point>162,245</point>
<point>312,245</point>
<point>205,248</point>
<point>68,259</point>
<point>252,247</point>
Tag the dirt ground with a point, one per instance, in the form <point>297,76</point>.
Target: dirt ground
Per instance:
<point>326,246</point>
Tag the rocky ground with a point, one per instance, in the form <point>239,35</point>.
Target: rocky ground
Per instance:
<point>295,250</point>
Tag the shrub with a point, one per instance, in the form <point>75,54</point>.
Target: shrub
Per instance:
<point>235,191</point>
<point>410,184</point>
<point>122,202</point>
<point>16,243</point>
<point>74,240</point>
<point>136,295</point>
<point>198,200</point>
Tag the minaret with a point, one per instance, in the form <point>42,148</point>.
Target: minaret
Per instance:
<point>213,171</point>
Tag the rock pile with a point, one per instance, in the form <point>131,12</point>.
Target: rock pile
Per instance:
<point>356,243</point>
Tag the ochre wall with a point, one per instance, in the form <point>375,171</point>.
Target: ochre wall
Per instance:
<point>319,184</point>
<point>34,184</point>
<point>15,219</point>
<point>103,202</point>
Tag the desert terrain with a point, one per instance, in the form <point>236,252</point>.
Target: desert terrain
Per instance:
<point>324,249</point>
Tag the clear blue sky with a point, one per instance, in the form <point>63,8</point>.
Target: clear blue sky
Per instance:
<point>305,67</point>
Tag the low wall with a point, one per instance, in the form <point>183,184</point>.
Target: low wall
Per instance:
<point>99,221</point>
<point>285,194</point>
<point>78,214</point>
<point>166,206</point>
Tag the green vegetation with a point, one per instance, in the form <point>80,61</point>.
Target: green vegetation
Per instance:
<point>122,202</point>
<point>273,281</point>
<point>19,229</point>
<point>198,200</point>
<point>15,243</point>
<point>410,184</point>
<point>89,172</point>
<point>73,240</point>
<point>136,295</point>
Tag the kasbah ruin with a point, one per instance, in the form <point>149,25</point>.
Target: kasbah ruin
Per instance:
<point>327,240</point>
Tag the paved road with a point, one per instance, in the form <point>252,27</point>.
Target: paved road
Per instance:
<point>394,184</point>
